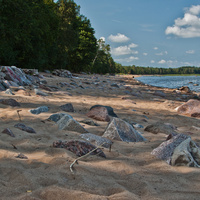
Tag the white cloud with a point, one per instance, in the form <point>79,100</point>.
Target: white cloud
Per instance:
<point>190,51</point>
<point>118,38</point>
<point>161,53</point>
<point>152,61</point>
<point>103,39</point>
<point>145,54</point>
<point>155,48</point>
<point>188,26</point>
<point>162,62</point>
<point>128,60</point>
<point>124,50</point>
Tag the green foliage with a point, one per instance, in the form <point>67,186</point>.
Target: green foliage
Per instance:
<point>82,56</point>
<point>159,71</point>
<point>103,62</point>
<point>43,34</point>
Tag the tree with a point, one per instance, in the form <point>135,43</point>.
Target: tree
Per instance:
<point>103,62</point>
<point>82,56</point>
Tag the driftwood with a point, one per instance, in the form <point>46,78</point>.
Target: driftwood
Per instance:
<point>75,161</point>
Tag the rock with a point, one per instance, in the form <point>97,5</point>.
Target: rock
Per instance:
<point>9,92</point>
<point>101,113</point>
<point>21,156</point>
<point>120,130</point>
<point>160,93</point>
<point>97,139</point>
<point>185,89</point>
<point>180,150</point>
<point>67,107</point>
<point>89,122</point>
<point>62,73</point>
<point>190,107</point>
<point>44,87</point>
<point>39,110</point>
<point>23,127</point>
<point>79,147</point>
<point>114,85</point>
<point>196,84</point>
<point>68,123</point>
<point>8,132</point>
<point>159,127</point>
<point>39,92</point>
<point>195,115</point>
<point>56,117</point>
<point>138,125</point>
<point>10,102</point>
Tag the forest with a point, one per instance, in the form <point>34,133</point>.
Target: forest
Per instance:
<point>44,34</point>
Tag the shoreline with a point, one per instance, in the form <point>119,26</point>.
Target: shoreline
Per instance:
<point>129,171</point>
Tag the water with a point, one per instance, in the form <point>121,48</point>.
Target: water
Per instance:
<point>172,81</point>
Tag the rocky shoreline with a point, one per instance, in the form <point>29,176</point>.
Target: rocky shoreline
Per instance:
<point>136,137</point>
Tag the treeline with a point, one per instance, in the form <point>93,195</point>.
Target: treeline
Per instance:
<point>44,34</point>
<point>153,70</point>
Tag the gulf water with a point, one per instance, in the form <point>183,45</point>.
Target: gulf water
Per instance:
<point>172,81</point>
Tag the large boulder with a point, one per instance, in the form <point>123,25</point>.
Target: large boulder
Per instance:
<point>101,113</point>
<point>189,108</point>
<point>79,147</point>
<point>120,130</point>
<point>180,150</point>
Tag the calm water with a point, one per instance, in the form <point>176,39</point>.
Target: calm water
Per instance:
<point>172,81</point>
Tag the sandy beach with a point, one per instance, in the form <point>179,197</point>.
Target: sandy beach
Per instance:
<point>129,171</point>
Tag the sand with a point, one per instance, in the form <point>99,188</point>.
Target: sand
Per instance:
<point>129,172</point>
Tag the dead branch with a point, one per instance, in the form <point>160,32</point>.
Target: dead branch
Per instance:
<point>75,161</point>
<point>19,115</point>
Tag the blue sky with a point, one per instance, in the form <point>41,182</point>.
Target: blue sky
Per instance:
<point>157,33</point>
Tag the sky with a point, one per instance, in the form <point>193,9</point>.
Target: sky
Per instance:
<point>155,33</point>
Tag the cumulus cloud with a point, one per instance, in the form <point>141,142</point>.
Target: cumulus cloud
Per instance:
<point>128,60</point>
<point>103,39</point>
<point>188,26</point>
<point>190,52</point>
<point>152,61</point>
<point>155,48</point>
<point>118,38</point>
<point>162,62</point>
<point>124,50</point>
<point>145,54</point>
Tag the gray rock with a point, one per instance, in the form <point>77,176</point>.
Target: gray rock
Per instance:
<point>56,117</point>
<point>159,93</point>
<point>120,130</point>
<point>10,102</point>
<point>114,85</point>
<point>97,139</point>
<point>67,107</point>
<point>9,92</point>
<point>89,122</point>
<point>39,92</point>
<point>68,123</point>
<point>23,127</point>
<point>39,110</point>
<point>159,127</point>
<point>8,132</point>
<point>180,150</point>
